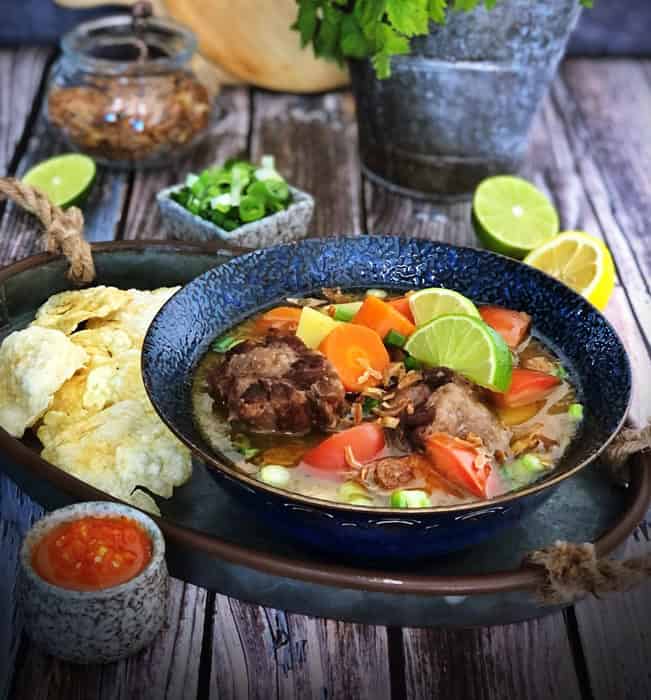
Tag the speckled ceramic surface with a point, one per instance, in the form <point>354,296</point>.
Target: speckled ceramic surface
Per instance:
<point>282,227</point>
<point>222,297</point>
<point>94,626</point>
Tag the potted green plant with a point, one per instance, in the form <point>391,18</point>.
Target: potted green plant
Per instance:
<point>446,90</point>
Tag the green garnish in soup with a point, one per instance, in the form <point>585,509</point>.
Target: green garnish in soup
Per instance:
<point>342,397</point>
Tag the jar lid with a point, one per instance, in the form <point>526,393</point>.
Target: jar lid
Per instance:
<point>117,43</point>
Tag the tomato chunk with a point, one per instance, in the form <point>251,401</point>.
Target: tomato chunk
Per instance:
<point>527,386</point>
<point>459,461</point>
<point>365,441</point>
<point>513,326</point>
<point>402,305</point>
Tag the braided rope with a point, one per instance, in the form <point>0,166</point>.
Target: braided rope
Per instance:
<point>63,229</point>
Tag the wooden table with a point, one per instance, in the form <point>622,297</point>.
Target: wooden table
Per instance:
<point>591,151</point>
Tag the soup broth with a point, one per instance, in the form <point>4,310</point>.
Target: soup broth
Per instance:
<point>420,436</point>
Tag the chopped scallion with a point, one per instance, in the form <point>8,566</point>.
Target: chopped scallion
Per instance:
<point>394,338</point>
<point>412,363</point>
<point>225,343</point>
<point>350,490</point>
<point>575,411</point>
<point>274,475</point>
<point>369,404</point>
<point>410,498</point>
<point>346,312</point>
<point>560,371</point>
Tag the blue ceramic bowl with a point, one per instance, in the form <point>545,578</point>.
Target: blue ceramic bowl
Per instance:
<point>222,297</point>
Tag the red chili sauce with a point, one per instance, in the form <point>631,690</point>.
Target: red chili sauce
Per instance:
<point>92,553</point>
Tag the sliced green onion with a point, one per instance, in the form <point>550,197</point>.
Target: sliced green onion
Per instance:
<point>379,293</point>
<point>251,208</point>
<point>346,312</point>
<point>221,203</point>
<point>361,501</point>
<point>369,404</point>
<point>575,411</point>
<point>268,162</point>
<point>278,189</point>
<point>394,338</point>
<point>412,363</point>
<point>350,490</point>
<point>410,498</point>
<point>274,475</point>
<point>560,371</point>
<point>225,343</point>
<point>524,470</point>
<point>532,462</point>
<point>190,179</point>
<point>250,452</point>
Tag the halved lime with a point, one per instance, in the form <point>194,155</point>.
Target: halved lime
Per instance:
<point>467,345</point>
<point>427,304</point>
<point>65,179</point>
<point>512,217</point>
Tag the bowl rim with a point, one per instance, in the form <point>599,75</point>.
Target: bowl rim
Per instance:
<point>213,461</point>
<point>311,571</point>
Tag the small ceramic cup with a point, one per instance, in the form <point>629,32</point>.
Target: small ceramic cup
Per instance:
<point>94,626</point>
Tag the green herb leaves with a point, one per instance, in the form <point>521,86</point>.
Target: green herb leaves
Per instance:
<point>235,194</point>
<point>375,29</point>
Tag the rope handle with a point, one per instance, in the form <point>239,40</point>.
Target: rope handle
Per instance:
<point>64,230</point>
<point>571,571</point>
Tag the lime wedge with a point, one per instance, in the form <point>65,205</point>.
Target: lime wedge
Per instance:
<point>65,179</point>
<point>427,304</point>
<point>512,217</point>
<point>467,345</point>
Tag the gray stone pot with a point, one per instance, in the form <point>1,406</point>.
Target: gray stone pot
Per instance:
<point>459,108</point>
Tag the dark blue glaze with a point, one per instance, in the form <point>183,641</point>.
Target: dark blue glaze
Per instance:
<point>225,295</point>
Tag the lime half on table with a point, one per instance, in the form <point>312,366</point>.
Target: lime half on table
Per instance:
<point>467,345</point>
<point>512,217</point>
<point>65,179</point>
<point>427,304</point>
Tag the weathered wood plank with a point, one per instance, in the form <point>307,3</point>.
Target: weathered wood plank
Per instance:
<point>227,138</point>
<point>265,653</point>
<point>18,231</point>
<point>565,169</point>
<point>168,669</point>
<point>609,105</point>
<point>17,514</point>
<point>616,633</point>
<point>314,141</point>
<point>531,660</point>
<point>21,71</point>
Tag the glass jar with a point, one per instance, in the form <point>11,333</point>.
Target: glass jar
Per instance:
<point>124,94</point>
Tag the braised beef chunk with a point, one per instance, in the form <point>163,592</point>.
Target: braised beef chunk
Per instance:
<point>278,384</point>
<point>443,401</point>
<point>456,409</point>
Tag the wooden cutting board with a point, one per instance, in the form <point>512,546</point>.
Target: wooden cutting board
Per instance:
<point>247,41</point>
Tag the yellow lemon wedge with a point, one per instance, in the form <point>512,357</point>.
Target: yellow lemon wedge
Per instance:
<point>579,260</point>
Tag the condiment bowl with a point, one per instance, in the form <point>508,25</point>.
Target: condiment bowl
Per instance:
<point>94,626</point>
<point>222,297</point>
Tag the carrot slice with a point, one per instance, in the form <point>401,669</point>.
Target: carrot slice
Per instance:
<point>357,353</point>
<point>284,318</point>
<point>513,326</point>
<point>459,461</point>
<point>382,318</point>
<point>402,305</point>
